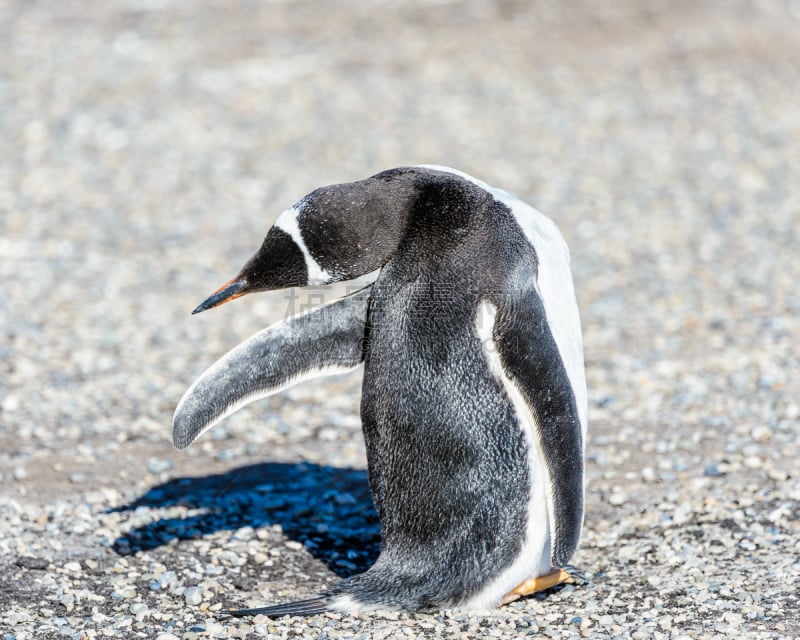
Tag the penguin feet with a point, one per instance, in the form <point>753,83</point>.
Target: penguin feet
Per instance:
<point>566,575</point>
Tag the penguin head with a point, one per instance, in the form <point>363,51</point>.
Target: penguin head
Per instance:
<point>335,233</point>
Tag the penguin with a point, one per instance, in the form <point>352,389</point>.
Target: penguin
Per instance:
<point>474,403</point>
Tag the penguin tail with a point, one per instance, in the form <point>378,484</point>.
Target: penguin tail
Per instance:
<point>308,607</point>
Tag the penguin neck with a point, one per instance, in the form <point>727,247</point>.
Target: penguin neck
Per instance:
<point>446,222</point>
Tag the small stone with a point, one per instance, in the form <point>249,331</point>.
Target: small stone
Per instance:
<point>244,583</point>
<point>761,433</point>
<point>617,498</point>
<point>649,474</point>
<point>126,592</point>
<point>752,462</point>
<point>345,498</point>
<point>328,434</point>
<point>30,562</point>
<point>67,599</point>
<point>73,567</point>
<point>193,595</point>
<point>158,465</point>
<point>166,580</point>
<point>14,618</point>
<point>244,533</point>
<point>654,581</point>
<point>20,473</point>
<point>10,404</point>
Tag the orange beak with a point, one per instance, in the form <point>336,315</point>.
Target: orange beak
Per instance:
<point>231,290</point>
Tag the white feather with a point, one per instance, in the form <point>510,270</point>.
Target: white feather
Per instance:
<point>287,222</point>
<point>534,557</point>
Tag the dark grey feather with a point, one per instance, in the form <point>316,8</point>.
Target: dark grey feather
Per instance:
<point>308,607</point>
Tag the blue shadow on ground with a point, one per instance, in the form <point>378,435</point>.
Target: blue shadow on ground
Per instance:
<point>329,510</point>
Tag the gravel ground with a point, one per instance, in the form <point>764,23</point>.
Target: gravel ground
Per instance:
<point>148,144</point>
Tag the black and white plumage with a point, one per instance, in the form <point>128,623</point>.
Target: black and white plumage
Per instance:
<point>474,404</point>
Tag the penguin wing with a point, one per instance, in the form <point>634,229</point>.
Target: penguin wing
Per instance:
<point>326,341</point>
<point>535,377</point>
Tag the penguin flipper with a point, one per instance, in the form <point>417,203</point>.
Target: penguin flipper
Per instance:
<point>308,607</point>
<point>536,378</point>
<point>326,341</point>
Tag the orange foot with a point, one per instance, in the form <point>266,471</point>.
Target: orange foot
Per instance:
<point>568,574</point>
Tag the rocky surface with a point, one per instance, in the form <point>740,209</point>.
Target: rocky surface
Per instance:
<point>148,144</point>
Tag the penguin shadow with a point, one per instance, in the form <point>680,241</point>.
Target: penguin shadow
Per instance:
<point>328,510</point>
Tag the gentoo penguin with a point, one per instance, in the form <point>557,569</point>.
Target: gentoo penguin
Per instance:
<point>474,405</point>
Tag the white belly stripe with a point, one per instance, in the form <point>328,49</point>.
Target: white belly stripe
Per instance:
<point>534,557</point>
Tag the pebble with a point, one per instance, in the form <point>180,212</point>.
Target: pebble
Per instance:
<point>156,465</point>
<point>617,498</point>
<point>30,562</point>
<point>126,592</point>
<point>9,404</point>
<point>761,433</point>
<point>712,471</point>
<point>649,474</point>
<point>193,595</point>
<point>752,462</point>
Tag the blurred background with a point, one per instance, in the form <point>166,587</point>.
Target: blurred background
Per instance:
<point>147,145</point>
